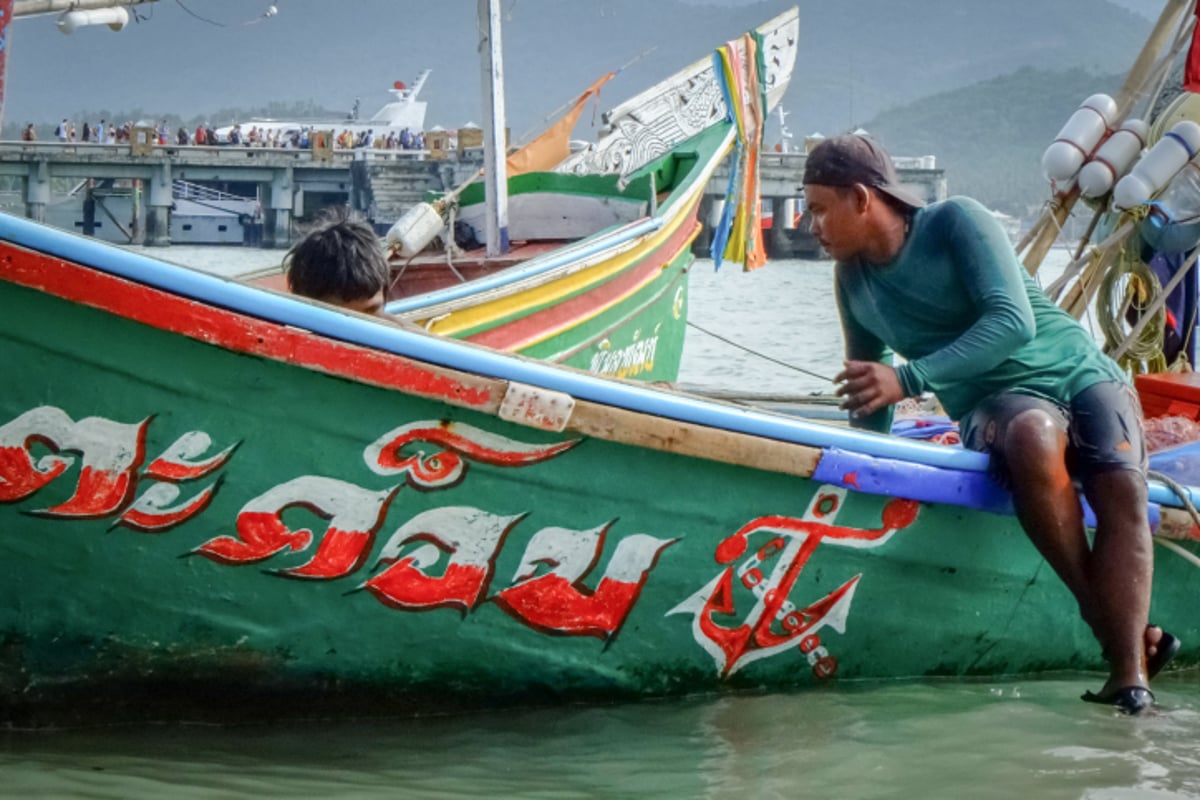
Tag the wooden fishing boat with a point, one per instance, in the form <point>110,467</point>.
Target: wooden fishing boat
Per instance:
<point>601,239</point>
<point>220,502</point>
<point>611,300</point>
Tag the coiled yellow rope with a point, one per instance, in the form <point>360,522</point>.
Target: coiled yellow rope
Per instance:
<point>1130,283</point>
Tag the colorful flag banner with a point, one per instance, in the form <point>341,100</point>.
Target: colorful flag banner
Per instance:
<point>738,236</point>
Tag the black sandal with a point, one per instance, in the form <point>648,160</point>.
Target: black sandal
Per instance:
<point>1130,699</point>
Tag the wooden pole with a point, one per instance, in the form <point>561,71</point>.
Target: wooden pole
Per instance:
<point>29,8</point>
<point>495,177</point>
<point>1053,219</point>
<point>1080,295</point>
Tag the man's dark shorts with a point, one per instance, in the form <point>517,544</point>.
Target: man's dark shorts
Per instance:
<point>1103,425</point>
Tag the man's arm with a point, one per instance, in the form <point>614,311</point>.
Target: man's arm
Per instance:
<point>995,286</point>
<point>861,346</point>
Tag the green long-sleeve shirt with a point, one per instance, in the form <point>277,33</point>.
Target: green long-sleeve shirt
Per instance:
<point>957,304</point>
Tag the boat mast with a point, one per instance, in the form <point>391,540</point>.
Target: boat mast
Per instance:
<point>495,171</point>
<point>29,8</point>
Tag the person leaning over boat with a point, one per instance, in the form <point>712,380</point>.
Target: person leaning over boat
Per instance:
<point>941,286</point>
<point>340,261</point>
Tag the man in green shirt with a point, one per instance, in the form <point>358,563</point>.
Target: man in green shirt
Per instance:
<point>940,286</point>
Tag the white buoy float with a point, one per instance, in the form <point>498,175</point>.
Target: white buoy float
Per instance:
<point>1113,159</point>
<point>116,18</point>
<point>1155,169</point>
<point>415,229</point>
<point>1078,138</point>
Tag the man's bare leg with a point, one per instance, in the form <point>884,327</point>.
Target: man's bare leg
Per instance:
<point>1121,571</point>
<point>1112,583</point>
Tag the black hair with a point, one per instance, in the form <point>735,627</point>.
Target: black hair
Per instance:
<point>340,258</point>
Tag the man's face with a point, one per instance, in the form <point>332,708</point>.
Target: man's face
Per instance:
<point>365,305</point>
<point>837,219</point>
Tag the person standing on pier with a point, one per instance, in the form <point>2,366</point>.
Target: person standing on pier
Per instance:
<point>941,286</point>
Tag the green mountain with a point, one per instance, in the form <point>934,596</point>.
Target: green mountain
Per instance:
<point>859,59</point>
<point>989,137</point>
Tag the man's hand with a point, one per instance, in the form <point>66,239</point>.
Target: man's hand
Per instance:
<point>867,386</point>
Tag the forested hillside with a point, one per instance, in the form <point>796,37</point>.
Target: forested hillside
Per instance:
<point>989,137</point>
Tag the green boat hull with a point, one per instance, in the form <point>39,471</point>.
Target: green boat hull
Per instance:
<point>210,514</point>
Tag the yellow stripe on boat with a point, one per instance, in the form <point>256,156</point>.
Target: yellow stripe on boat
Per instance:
<point>495,311</point>
<point>549,333</point>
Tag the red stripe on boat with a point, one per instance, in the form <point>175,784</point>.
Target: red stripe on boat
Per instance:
<point>228,329</point>
<point>534,327</point>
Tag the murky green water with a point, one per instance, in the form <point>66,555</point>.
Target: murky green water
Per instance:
<point>1016,738</point>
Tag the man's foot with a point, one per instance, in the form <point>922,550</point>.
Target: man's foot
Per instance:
<point>1130,699</point>
<point>1160,649</point>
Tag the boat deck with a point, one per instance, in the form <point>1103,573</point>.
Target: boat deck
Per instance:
<point>430,270</point>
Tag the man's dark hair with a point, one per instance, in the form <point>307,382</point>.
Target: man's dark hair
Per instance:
<point>340,258</point>
<point>852,159</point>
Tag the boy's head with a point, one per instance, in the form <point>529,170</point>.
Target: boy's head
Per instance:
<point>340,261</point>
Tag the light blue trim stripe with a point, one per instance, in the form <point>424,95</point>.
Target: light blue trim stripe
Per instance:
<point>537,266</point>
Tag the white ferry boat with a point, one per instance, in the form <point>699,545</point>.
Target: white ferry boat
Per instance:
<point>405,111</point>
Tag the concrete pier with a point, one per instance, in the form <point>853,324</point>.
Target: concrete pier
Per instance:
<point>37,189</point>
<point>288,184</point>
<point>158,211</point>
<point>781,180</point>
<point>292,185</point>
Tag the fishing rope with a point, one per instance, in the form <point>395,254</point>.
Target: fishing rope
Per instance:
<point>1186,500</point>
<point>763,356</point>
<point>1180,491</point>
<point>1160,300</point>
<point>1139,288</point>
<point>270,12</point>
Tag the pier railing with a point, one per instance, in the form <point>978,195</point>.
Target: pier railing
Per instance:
<point>292,182</point>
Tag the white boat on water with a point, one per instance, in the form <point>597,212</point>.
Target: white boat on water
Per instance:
<point>404,111</point>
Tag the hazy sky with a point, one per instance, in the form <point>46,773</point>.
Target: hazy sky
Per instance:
<point>192,57</point>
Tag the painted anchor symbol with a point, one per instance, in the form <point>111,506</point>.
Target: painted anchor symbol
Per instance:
<point>794,542</point>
